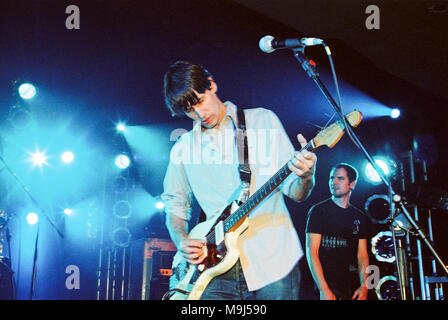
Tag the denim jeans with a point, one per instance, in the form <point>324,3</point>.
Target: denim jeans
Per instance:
<point>232,286</point>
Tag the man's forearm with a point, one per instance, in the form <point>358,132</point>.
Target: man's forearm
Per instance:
<point>363,263</point>
<point>177,229</point>
<point>301,188</point>
<point>363,260</point>
<point>317,271</point>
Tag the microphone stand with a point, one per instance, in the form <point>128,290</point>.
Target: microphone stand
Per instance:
<point>397,199</point>
<point>33,277</point>
<point>8,237</point>
<point>33,280</point>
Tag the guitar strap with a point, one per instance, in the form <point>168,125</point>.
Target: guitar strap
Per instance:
<point>243,155</point>
<point>243,159</point>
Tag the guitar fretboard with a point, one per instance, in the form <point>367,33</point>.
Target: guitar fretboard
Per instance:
<point>261,193</point>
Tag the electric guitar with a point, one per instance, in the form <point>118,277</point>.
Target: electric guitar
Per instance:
<point>221,233</point>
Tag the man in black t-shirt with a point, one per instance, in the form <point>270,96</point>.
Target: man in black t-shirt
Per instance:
<point>336,240</point>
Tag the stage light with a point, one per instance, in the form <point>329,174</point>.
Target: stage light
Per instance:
<point>122,161</point>
<point>160,205</point>
<point>32,218</point>
<point>121,127</point>
<point>120,185</point>
<point>383,246</point>
<point>121,237</point>
<point>377,208</point>
<point>122,209</point>
<point>395,113</point>
<point>68,157</point>
<point>388,288</point>
<point>27,91</point>
<point>38,158</point>
<point>371,173</point>
<point>19,116</point>
<point>68,211</point>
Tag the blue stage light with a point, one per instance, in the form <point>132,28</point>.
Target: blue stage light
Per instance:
<point>371,173</point>
<point>160,205</point>
<point>68,211</point>
<point>32,218</point>
<point>121,127</point>
<point>395,113</point>
<point>27,91</point>
<point>38,158</point>
<point>122,161</point>
<point>68,157</point>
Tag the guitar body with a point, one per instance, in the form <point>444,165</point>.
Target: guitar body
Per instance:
<point>220,258</point>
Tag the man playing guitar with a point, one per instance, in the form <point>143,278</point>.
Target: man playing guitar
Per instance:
<point>204,164</point>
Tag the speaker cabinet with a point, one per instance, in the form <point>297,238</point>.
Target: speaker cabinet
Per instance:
<point>157,259</point>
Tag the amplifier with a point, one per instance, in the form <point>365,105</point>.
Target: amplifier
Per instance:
<point>157,260</point>
<point>161,264</point>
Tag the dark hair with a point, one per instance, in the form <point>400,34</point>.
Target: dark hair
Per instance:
<point>179,82</point>
<point>352,173</point>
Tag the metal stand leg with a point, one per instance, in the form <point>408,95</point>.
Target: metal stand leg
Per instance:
<point>402,267</point>
<point>438,290</point>
<point>421,271</point>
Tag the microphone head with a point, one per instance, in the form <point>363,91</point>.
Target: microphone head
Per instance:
<point>265,44</point>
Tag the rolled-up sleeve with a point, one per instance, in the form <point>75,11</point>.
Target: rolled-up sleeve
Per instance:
<point>177,194</point>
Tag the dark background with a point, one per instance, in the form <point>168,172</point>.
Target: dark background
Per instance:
<point>113,67</point>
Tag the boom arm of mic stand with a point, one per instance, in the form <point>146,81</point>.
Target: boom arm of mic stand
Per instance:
<point>311,71</point>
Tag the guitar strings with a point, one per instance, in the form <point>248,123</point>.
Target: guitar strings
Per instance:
<point>210,237</point>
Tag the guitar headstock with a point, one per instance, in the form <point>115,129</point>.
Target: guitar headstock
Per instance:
<point>332,134</point>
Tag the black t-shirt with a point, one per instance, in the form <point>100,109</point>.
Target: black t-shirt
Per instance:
<point>340,229</point>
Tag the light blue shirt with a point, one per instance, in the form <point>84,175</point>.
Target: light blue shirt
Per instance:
<point>204,164</point>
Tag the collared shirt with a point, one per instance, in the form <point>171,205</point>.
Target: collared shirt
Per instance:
<point>204,164</point>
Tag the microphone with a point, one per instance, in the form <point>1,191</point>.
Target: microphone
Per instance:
<point>268,44</point>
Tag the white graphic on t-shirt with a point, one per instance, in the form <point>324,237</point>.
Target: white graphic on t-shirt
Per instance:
<point>356,224</point>
<point>333,242</point>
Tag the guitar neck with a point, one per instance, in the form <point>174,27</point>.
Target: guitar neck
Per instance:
<point>262,193</point>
